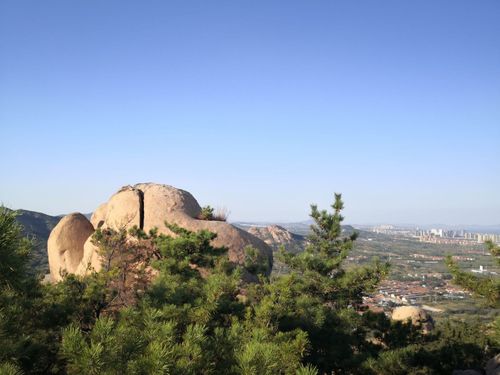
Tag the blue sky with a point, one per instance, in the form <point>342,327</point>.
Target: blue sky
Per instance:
<point>260,106</point>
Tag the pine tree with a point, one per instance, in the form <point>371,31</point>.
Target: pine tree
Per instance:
<point>484,287</point>
<point>176,305</point>
<point>320,296</point>
<point>322,262</point>
<point>188,318</point>
<point>14,252</point>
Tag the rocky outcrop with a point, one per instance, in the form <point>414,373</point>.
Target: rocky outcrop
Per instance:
<point>66,242</point>
<point>99,215</point>
<point>90,259</point>
<point>276,236</point>
<point>416,315</point>
<point>124,209</point>
<point>163,201</point>
<point>146,206</point>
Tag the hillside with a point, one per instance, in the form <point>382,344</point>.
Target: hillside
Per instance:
<point>37,227</point>
<point>276,236</point>
<point>292,235</point>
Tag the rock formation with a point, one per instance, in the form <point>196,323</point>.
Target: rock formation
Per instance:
<point>146,206</point>
<point>65,244</point>
<point>276,236</point>
<point>417,316</point>
<point>99,215</point>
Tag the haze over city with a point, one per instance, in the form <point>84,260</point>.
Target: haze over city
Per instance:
<point>258,107</point>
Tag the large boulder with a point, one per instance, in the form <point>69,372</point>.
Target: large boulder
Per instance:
<point>277,236</point>
<point>149,206</point>
<point>91,261</point>
<point>163,202</point>
<point>166,204</point>
<point>124,209</point>
<point>234,239</point>
<point>416,315</point>
<point>65,244</point>
<point>99,216</point>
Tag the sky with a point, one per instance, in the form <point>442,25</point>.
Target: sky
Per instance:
<point>262,107</point>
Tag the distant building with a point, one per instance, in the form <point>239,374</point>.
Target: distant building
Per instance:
<point>480,270</point>
<point>437,232</point>
<point>483,237</point>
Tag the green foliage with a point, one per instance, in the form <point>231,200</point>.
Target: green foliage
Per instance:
<point>14,251</point>
<point>487,288</point>
<point>31,314</point>
<point>7,368</point>
<point>267,353</point>
<point>306,370</point>
<point>494,250</point>
<point>189,321</point>
<point>453,345</point>
<point>319,296</point>
<point>321,263</point>
<point>176,305</point>
<point>483,287</point>
<point>254,262</point>
<point>207,213</point>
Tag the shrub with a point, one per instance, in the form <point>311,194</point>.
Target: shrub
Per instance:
<point>208,213</point>
<point>254,262</point>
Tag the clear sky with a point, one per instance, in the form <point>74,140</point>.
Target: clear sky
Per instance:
<point>260,106</point>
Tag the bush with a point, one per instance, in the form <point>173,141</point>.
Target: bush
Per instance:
<point>208,213</point>
<point>254,262</point>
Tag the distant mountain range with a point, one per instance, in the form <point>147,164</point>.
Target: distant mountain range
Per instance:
<point>37,227</point>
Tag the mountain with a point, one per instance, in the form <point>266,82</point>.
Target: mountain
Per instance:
<point>37,226</point>
<point>276,236</point>
<point>300,227</point>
